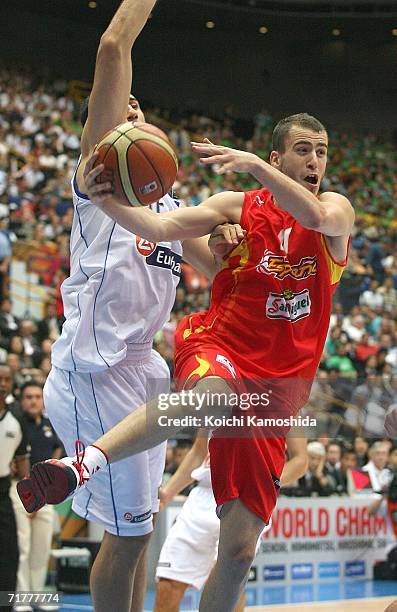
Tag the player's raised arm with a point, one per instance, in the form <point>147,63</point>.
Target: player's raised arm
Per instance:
<point>330,213</point>
<point>181,224</point>
<point>108,101</point>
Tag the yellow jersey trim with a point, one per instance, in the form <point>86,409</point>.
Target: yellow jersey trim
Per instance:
<point>335,268</point>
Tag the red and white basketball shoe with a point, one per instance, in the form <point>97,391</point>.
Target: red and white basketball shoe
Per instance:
<point>54,480</point>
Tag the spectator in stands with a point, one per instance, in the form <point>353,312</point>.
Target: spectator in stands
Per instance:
<point>27,333</point>
<point>375,254</point>
<point>8,323</point>
<point>361,449</point>
<point>16,346</point>
<point>376,467</point>
<point>50,326</point>
<point>35,530</point>
<point>342,362</point>
<point>388,294</point>
<point>315,482</point>
<point>5,255</point>
<point>341,476</point>
<point>371,297</point>
<point>332,459</point>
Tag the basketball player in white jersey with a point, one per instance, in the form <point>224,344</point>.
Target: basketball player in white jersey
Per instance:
<point>195,534</point>
<point>119,294</point>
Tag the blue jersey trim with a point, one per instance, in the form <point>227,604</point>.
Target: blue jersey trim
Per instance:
<point>109,468</point>
<point>96,296</point>
<point>81,195</point>
<point>86,508</point>
<point>75,407</point>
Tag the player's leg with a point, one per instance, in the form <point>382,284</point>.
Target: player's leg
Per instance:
<point>124,512</point>
<point>169,595</point>
<point>113,573</point>
<point>189,551</point>
<point>142,430</point>
<point>235,555</point>
<point>140,583</point>
<point>53,481</point>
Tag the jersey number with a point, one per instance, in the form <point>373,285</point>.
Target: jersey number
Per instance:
<point>283,236</point>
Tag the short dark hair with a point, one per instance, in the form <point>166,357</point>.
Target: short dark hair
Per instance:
<point>29,383</point>
<point>284,126</point>
<point>84,108</point>
<point>84,111</point>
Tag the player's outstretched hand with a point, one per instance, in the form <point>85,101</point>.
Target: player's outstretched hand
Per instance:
<point>98,193</point>
<point>225,238</point>
<point>229,160</point>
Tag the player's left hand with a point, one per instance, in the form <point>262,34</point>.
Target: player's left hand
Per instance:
<point>98,193</point>
<point>225,238</point>
<point>229,160</point>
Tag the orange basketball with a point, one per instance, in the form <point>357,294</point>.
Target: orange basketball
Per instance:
<point>139,161</point>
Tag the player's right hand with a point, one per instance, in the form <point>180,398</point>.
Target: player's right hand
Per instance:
<point>98,193</point>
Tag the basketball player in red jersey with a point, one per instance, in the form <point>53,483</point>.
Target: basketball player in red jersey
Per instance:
<point>268,319</point>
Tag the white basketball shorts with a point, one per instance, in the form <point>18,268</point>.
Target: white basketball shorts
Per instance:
<point>84,406</point>
<point>191,547</point>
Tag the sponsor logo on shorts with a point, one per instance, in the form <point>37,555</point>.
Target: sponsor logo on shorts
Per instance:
<point>224,361</point>
<point>137,519</point>
<point>274,572</point>
<point>279,266</point>
<point>163,564</point>
<point>355,568</point>
<point>329,570</point>
<point>252,576</point>
<point>288,305</point>
<point>301,571</point>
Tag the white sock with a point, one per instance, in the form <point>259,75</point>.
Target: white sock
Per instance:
<point>94,459</point>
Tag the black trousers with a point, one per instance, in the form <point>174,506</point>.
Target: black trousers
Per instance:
<point>9,553</point>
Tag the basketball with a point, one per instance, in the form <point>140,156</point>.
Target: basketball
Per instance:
<point>139,161</point>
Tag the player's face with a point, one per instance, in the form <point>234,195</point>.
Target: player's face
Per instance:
<point>134,112</point>
<point>305,157</point>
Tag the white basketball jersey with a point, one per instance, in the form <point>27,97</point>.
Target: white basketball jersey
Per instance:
<point>120,291</point>
<point>203,473</point>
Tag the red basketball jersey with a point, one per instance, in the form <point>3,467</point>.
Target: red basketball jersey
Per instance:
<point>271,303</point>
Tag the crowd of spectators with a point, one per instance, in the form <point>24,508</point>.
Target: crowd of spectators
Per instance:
<point>39,148</point>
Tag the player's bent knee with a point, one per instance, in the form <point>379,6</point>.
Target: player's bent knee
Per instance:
<point>125,546</point>
<point>239,559</point>
<point>392,607</point>
<point>169,594</point>
<point>212,395</point>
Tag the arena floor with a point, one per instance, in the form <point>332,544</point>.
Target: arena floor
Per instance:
<point>353,596</point>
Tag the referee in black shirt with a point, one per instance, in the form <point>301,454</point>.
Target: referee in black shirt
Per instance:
<point>35,530</point>
<point>14,448</point>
